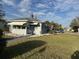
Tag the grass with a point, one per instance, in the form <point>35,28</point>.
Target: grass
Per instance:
<point>60,46</point>
<point>6,36</point>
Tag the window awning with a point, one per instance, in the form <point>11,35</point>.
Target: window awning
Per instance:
<point>16,23</point>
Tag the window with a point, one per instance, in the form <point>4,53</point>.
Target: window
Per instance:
<point>18,27</point>
<point>23,27</point>
<point>14,26</point>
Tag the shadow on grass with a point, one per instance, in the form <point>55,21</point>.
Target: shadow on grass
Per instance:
<point>75,55</point>
<point>19,49</point>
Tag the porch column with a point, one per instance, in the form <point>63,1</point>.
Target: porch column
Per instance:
<point>26,30</point>
<point>78,29</point>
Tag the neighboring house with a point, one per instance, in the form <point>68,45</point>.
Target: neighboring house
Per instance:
<point>26,26</point>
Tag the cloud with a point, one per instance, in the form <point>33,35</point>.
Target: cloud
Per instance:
<point>24,5</point>
<point>70,9</point>
<point>40,5</point>
<point>73,14</point>
<point>76,7</point>
<point>39,13</point>
<point>9,2</point>
<point>13,14</point>
<point>22,10</point>
<point>64,5</point>
<point>49,15</point>
<point>60,11</point>
<point>1,2</point>
<point>53,17</point>
<point>16,15</point>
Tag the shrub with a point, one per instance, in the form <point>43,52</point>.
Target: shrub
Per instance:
<point>1,33</point>
<point>52,31</point>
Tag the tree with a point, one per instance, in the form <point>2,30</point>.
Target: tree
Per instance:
<point>1,11</point>
<point>1,18</point>
<point>53,27</point>
<point>75,24</point>
<point>47,23</point>
<point>2,21</point>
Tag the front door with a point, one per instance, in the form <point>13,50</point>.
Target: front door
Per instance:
<point>30,29</point>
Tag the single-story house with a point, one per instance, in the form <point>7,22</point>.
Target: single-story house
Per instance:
<point>26,26</point>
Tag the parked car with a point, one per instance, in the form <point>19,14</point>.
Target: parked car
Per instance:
<point>59,31</point>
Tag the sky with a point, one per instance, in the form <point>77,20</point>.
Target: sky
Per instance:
<point>59,11</point>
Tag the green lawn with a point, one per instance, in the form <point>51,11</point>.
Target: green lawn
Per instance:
<point>6,36</point>
<point>60,46</point>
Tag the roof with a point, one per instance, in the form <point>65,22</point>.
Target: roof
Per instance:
<point>17,20</point>
<point>24,19</point>
<point>16,23</point>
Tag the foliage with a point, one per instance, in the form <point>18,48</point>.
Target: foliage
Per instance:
<point>3,23</point>
<point>1,19</point>
<point>75,22</point>
<point>2,41</point>
<point>1,33</point>
<point>2,14</point>
<point>47,23</point>
<point>53,27</point>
